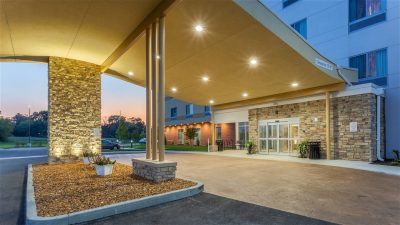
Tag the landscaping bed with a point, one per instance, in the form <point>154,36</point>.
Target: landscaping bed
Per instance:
<point>67,188</point>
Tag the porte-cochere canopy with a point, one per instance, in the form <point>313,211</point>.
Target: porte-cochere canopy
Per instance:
<point>240,46</point>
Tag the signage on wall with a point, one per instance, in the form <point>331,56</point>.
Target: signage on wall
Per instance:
<point>323,64</point>
<point>353,126</point>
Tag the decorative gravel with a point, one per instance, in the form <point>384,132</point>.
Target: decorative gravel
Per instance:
<point>66,188</point>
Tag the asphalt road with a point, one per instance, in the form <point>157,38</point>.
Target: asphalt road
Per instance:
<point>202,209</point>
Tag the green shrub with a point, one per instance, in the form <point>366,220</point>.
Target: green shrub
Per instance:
<point>102,161</point>
<point>251,148</point>
<point>303,149</point>
<point>396,160</point>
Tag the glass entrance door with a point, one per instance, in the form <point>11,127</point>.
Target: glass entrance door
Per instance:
<point>278,137</point>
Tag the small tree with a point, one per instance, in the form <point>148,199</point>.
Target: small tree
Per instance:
<point>122,131</point>
<point>190,134</point>
<point>6,127</point>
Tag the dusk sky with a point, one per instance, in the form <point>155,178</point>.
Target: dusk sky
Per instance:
<point>24,84</point>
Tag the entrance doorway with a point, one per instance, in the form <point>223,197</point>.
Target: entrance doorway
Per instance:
<point>280,136</point>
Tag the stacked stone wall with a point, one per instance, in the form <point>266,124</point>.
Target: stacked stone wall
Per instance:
<point>74,109</point>
<point>360,145</point>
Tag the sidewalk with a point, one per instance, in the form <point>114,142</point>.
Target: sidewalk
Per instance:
<point>359,165</point>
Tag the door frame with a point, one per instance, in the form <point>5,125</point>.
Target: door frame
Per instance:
<point>277,122</point>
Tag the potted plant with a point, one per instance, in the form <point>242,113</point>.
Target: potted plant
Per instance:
<point>303,149</point>
<point>104,165</point>
<point>88,157</point>
<point>251,148</point>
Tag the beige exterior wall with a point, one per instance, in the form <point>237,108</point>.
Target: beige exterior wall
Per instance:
<point>360,145</point>
<point>74,109</point>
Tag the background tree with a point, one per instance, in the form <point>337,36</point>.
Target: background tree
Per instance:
<point>6,127</point>
<point>190,134</point>
<point>122,131</point>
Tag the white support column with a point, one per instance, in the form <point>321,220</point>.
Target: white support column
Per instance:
<point>161,88</point>
<point>154,79</point>
<point>148,95</point>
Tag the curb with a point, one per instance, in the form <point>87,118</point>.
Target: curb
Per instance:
<point>105,211</point>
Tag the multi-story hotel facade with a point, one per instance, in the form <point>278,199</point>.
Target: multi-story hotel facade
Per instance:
<point>364,116</point>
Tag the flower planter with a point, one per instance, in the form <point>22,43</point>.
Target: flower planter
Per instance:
<point>86,160</point>
<point>104,170</point>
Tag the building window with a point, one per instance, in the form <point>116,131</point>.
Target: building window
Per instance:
<point>181,137</point>
<point>197,137</point>
<point>286,3</point>
<point>301,27</point>
<point>173,113</point>
<point>363,13</point>
<point>218,133</point>
<point>189,110</point>
<point>207,110</point>
<point>371,64</point>
<point>243,133</point>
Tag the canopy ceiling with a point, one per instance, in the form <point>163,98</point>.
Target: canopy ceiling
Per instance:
<point>234,32</point>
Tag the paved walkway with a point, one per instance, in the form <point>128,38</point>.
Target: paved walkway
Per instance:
<point>328,193</point>
<point>359,165</point>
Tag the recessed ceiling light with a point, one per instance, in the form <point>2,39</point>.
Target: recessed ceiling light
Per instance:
<point>205,78</point>
<point>253,61</point>
<point>130,73</point>
<point>295,84</point>
<point>245,94</point>
<point>199,28</point>
<point>211,101</point>
<point>173,89</point>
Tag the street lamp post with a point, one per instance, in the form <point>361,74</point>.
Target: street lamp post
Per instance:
<point>29,126</point>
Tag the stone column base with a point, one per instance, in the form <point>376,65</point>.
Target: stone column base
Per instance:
<point>154,170</point>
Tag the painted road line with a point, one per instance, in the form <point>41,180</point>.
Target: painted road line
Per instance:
<point>24,157</point>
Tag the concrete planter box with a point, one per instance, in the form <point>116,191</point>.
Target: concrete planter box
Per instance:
<point>86,161</point>
<point>105,211</point>
<point>104,170</point>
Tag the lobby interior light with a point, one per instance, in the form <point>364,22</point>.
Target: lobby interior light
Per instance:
<point>199,28</point>
<point>245,94</point>
<point>211,101</point>
<point>158,57</point>
<point>173,89</point>
<point>205,78</point>
<point>130,73</point>
<point>295,84</point>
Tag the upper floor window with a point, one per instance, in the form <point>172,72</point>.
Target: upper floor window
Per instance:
<point>207,110</point>
<point>301,27</point>
<point>363,13</point>
<point>189,109</point>
<point>371,64</point>
<point>174,112</point>
<point>286,3</point>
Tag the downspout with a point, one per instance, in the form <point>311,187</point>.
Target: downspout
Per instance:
<point>378,128</point>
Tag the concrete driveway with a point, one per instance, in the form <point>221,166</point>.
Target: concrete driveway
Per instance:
<point>338,195</point>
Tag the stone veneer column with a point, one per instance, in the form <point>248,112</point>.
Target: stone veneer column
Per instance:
<point>74,109</point>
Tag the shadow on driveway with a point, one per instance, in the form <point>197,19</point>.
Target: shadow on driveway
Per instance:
<point>12,189</point>
<point>207,209</point>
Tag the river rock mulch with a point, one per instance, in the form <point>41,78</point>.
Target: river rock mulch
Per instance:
<point>66,188</point>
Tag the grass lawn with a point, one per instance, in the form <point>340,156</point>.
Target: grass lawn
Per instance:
<point>22,142</point>
<point>180,148</point>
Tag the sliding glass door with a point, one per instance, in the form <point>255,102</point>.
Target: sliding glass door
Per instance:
<point>279,136</point>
